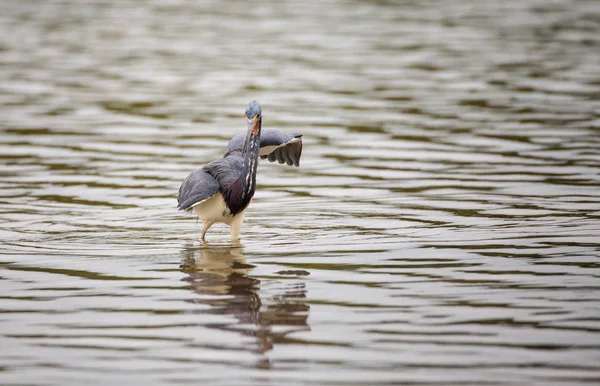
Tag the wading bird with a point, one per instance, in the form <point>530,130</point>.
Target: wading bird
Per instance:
<point>221,190</point>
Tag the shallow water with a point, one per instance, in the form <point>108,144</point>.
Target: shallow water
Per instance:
<point>442,228</point>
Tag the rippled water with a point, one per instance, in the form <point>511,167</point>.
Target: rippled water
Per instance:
<point>442,228</point>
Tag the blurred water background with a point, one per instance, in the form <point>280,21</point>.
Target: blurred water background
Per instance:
<point>443,226</point>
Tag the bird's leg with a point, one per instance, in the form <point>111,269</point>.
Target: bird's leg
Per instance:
<point>205,227</point>
<point>236,225</point>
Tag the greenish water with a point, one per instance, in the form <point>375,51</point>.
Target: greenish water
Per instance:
<point>442,228</point>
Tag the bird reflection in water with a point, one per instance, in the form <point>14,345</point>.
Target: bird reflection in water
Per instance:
<point>222,272</point>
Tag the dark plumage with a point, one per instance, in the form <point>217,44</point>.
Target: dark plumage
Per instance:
<point>197,187</point>
<point>221,190</point>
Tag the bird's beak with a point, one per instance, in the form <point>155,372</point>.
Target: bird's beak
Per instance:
<point>254,125</point>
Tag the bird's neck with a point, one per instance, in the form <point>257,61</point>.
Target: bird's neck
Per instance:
<point>248,176</point>
<point>239,193</point>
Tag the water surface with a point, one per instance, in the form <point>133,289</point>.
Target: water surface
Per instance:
<point>442,228</point>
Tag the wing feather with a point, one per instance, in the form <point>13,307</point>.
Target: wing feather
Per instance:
<point>199,186</point>
<point>274,146</point>
<point>289,152</point>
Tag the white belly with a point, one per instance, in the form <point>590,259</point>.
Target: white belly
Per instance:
<point>213,210</point>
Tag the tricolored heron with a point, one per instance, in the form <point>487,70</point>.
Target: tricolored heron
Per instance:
<point>221,190</point>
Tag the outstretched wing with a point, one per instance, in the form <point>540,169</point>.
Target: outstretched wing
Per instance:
<point>274,145</point>
<point>199,186</point>
<point>282,147</point>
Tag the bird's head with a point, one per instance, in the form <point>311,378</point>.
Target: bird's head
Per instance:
<point>254,118</point>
